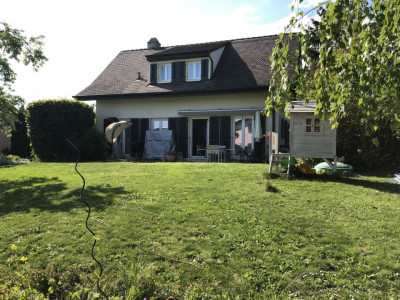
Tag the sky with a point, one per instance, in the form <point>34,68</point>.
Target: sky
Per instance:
<point>83,36</point>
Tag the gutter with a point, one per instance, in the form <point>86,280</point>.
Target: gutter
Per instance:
<point>219,112</point>
<point>169,94</point>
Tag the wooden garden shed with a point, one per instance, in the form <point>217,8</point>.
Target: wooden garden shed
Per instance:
<point>309,136</point>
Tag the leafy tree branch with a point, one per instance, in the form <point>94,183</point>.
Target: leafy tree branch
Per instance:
<point>15,46</point>
<point>358,63</point>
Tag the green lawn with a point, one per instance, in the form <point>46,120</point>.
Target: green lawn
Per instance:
<point>196,230</point>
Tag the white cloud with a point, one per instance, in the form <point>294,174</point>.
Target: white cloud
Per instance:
<point>246,13</point>
<point>82,37</point>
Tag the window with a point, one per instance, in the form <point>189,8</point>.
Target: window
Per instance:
<point>160,124</point>
<point>243,133</point>
<point>194,70</point>
<point>165,71</point>
<point>176,71</point>
<point>238,134</point>
<point>313,125</point>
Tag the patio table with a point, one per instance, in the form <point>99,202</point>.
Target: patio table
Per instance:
<point>218,151</point>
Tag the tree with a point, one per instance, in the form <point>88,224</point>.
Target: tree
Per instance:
<point>358,149</point>
<point>19,136</point>
<point>14,46</point>
<point>359,64</point>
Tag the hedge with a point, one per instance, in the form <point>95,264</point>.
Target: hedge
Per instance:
<point>52,122</point>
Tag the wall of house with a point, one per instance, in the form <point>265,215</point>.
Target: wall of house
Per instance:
<point>308,145</point>
<point>169,106</point>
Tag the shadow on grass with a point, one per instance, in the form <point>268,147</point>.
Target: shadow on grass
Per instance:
<point>51,194</point>
<point>382,186</point>
<point>6,166</point>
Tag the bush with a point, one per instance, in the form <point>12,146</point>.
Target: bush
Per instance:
<point>93,145</point>
<point>19,137</point>
<point>12,160</point>
<point>359,150</point>
<point>51,122</point>
<point>51,283</point>
<point>6,151</point>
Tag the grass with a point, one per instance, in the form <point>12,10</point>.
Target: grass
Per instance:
<point>196,230</point>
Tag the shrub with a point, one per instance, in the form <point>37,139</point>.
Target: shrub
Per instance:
<point>12,160</point>
<point>359,150</point>
<point>52,283</point>
<point>93,145</point>
<point>51,122</point>
<point>19,137</point>
<point>6,151</point>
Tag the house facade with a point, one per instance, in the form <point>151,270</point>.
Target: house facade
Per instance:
<point>207,94</point>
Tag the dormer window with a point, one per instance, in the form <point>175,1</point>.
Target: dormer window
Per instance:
<point>184,63</point>
<point>194,70</point>
<point>180,71</point>
<point>165,71</point>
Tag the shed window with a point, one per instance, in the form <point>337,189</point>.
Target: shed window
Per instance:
<point>313,125</point>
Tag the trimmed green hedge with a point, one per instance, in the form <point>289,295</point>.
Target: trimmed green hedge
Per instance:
<point>51,122</point>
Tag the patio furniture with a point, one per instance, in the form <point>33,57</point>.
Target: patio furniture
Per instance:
<point>216,153</point>
<point>201,150</point>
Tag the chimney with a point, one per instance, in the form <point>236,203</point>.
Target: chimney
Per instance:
<point>153,43</point>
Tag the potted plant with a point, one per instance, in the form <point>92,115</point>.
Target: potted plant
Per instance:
<point>171,156</point>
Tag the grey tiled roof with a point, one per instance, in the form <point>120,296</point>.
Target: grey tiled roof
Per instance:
<point>186,51</point>
<point>244,65</point>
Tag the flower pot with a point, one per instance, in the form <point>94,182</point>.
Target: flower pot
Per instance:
<point>171,157</point>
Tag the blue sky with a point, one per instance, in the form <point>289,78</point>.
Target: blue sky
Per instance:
<point>267,10</point>
<point>83,36</point>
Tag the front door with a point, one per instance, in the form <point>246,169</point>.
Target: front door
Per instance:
<point>199,136</point>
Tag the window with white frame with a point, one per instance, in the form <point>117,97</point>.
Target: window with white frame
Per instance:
<point>160,124</point>
<point>165,73</point>
<point>194,70</point>
<point>243,132</point>
<point>313,125</point>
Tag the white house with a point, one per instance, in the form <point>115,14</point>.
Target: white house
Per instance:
<point>207,94</point>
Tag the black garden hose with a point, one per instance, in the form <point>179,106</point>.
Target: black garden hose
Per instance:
<point>87,219</point>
